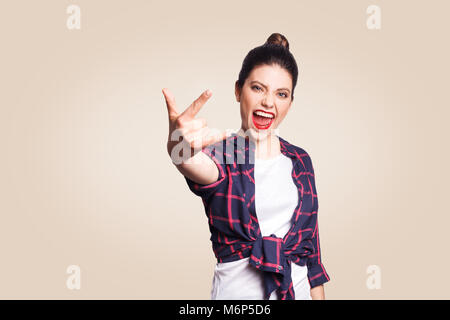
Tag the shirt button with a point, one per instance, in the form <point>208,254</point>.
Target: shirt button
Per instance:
<point>280,267</point>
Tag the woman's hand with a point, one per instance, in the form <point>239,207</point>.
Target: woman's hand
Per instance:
<point>194,132</point>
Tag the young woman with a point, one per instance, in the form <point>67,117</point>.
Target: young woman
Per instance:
<point>258,189</point>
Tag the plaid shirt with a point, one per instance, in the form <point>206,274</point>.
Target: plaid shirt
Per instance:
<point>235,234</point>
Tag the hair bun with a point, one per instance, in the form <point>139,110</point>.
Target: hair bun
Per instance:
<point>278,39</point>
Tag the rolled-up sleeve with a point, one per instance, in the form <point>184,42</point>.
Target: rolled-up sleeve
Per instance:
<point>317,274</point>
<point>204,190</point>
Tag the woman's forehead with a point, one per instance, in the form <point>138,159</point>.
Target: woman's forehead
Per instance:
<point>271,76</point>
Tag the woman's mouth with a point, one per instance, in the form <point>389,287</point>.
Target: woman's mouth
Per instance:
<point>262,119</point>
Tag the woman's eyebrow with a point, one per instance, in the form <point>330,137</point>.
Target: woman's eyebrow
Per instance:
<point>265,86</point>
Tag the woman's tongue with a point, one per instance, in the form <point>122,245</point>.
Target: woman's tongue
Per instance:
<point>261,121</point>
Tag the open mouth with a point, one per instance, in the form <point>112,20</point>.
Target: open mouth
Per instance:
<point>262,119</point>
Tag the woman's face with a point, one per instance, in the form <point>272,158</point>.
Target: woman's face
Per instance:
<point>265,99</point>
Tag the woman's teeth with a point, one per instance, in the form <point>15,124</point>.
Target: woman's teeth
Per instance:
<point>263,114</point>
<point>262,120</point>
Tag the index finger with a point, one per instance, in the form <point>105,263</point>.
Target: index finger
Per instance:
<point>195,106</point>
<point>170,102</point>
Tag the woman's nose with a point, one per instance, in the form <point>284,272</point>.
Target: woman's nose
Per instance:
<point>268,101</point>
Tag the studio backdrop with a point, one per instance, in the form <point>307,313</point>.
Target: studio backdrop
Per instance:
<point>91,205</point>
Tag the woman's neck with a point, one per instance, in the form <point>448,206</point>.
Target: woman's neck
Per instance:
<point>266,146</point>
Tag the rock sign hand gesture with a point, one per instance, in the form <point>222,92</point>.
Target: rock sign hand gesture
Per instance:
<point>193,131</point>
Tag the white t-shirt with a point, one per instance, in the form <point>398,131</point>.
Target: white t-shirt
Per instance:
<point>276,197</point>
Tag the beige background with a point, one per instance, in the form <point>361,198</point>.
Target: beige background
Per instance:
<point>85,178</point>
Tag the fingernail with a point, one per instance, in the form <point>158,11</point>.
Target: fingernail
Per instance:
<point>208,93</point>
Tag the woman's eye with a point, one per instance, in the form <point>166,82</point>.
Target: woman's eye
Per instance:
<point>283,93</point>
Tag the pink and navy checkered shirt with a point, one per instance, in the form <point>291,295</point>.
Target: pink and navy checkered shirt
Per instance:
<point>235,234</point>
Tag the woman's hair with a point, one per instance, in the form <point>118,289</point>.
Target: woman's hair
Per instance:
<point>274,51</point>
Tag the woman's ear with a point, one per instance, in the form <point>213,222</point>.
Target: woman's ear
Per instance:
<point>237,91</point>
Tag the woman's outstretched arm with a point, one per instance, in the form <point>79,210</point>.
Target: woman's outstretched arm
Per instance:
<point>195,135</point>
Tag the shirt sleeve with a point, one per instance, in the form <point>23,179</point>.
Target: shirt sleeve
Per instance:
<point>205,190</point>
<point>317,274</point>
